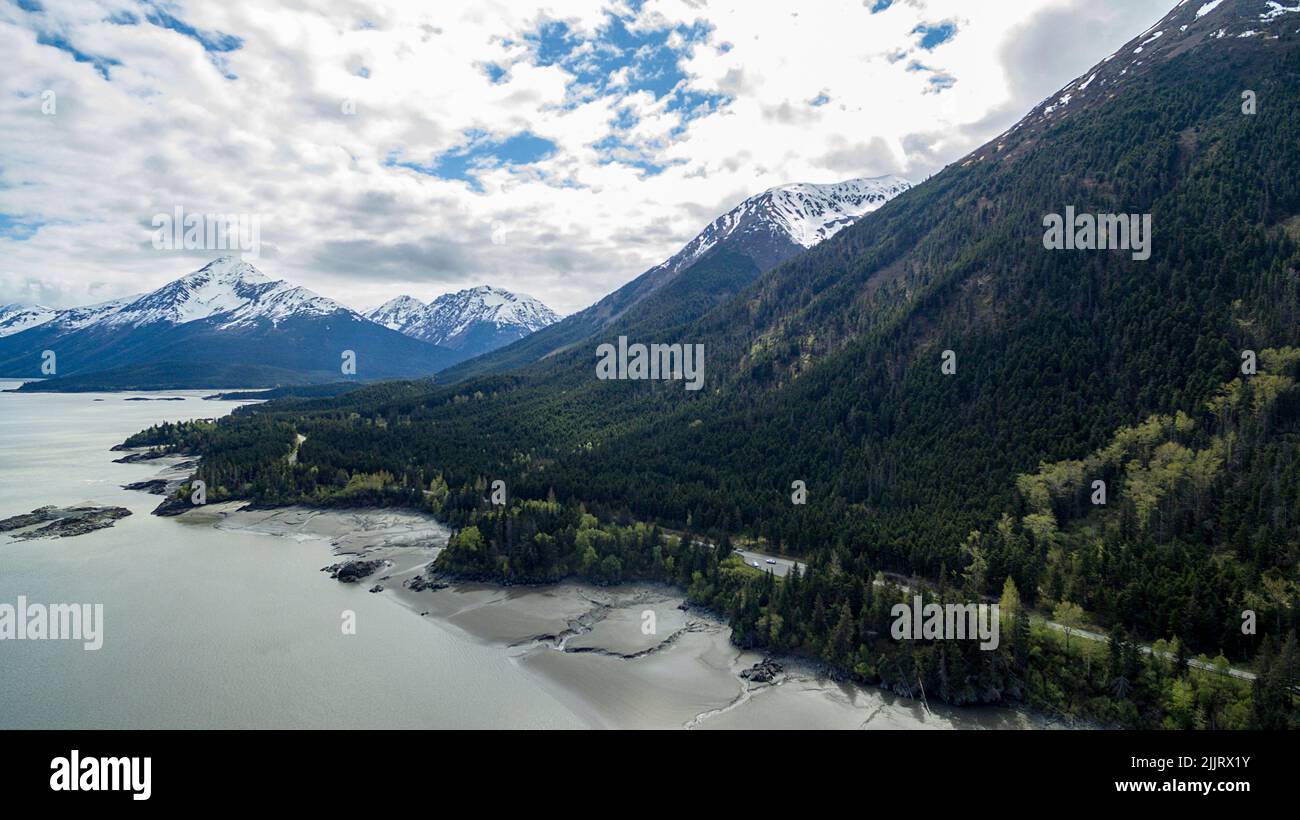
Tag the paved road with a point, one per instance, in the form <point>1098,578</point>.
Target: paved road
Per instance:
<point>1241,674</point>
<point>780,568</point>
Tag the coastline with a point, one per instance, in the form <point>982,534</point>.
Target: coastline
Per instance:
<point>578,646</point>
<point>592,647</point>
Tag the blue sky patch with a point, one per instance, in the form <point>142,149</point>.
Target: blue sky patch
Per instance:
<point>935,34</point>
<point>650,62</point>
<point>213,42</point>
<point>17,228</point>
<point>616,60</point>
<point>101,64</point>
<point>480,153</point>
<point>939,80</point>
<point>614,148</point>
<point>217,44</point>
<point>881,5</point>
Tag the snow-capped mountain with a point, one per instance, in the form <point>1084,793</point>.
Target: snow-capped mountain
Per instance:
<point>226,287</point>
<point>473,321</point>
<point>801,213</point>
<point>16,318</point>
<point>399,313</point>
<point>732,250</point>
<point>225,324</point>
<point>451,315</point>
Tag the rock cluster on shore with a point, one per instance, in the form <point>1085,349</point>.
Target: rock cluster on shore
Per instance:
<point>420,582</point>
<point>136,458</point>
<point>765,671</point>
<point>61,522</point>
<point>153,486</point>
<point>350,572</point>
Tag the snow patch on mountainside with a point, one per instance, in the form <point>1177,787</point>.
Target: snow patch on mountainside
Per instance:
<point>1207,8</point>
<point>70,319</point>
<point>1276,9</point>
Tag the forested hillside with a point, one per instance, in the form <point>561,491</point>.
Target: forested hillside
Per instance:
<point>1070,367</point>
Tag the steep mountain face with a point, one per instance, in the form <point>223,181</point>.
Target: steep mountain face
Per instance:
<point>727,255</point>
<point>224,325</point>
<point>1191,25</point>
<point>471,321</point>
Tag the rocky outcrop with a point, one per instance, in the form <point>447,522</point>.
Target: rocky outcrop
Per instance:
<point>765,671</point>
<point>172,506</point>
<point>420,582</point>
<point>61,522</point>
<point>352,571</point>
<point>136,458</point>
<point>154,486</point>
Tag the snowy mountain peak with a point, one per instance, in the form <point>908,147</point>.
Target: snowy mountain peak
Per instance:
<point>812,213</point>
<point>228,269</point>
<point>226,289</point>
<point>397,313</point>
<point>492,305</point>
<point>801,213</point>
<point>456,319</point>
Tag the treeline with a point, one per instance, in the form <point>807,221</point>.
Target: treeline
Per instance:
<point>841,612</point>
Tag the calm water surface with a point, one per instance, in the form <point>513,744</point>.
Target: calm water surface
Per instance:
<point>207,628</point>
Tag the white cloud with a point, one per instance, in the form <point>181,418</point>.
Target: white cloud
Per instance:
<point>169,129</point>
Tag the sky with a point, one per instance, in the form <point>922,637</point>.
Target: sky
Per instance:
<point>557,149</point>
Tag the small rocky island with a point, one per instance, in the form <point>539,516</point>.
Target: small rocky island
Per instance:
<point>61,522</point>
<point>350,572</point>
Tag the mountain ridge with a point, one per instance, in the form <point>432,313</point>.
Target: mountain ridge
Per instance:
<point>209,322</point>
<point>761,231</point>
<point>473,320</point>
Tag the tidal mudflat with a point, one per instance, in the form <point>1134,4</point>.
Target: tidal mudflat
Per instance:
<point>631,656</point>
